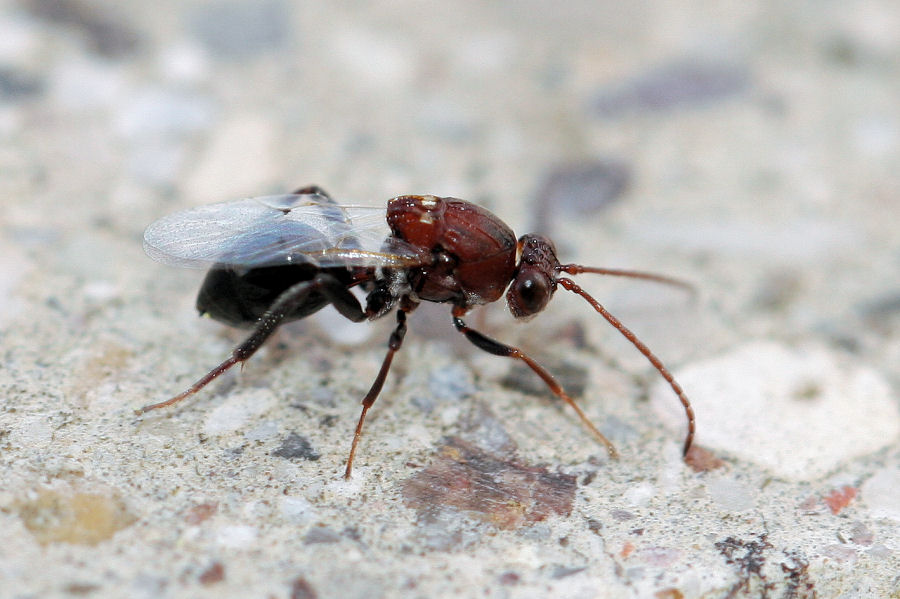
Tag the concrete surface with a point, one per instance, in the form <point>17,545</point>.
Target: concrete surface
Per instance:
<point>751,148</point>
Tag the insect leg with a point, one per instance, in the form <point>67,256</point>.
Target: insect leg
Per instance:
<point>326,284</point>
<point>394,343</point>
<point>492,346</point>
<point>626,332</point>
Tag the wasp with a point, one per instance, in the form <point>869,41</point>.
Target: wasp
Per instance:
<point>275,259</point>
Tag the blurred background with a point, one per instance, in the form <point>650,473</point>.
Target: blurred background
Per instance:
<point>766,131</point>
<point>750,147</point>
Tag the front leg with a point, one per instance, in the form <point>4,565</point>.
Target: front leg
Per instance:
<point>394,343</point>
<point>492,346</point>
<point>293,297</point>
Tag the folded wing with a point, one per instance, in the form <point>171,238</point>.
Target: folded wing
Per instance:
<point>275,230</point>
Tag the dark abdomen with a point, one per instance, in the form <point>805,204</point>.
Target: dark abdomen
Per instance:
<point>240,298</point>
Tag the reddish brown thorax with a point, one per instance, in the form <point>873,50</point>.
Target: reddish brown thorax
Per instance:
<point>474,251</point>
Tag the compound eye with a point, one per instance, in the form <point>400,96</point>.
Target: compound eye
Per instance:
<point>529,294</point>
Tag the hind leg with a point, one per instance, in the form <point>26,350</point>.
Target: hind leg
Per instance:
<point>327,285</point>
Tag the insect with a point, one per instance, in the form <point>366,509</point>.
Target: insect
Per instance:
<point>280,258</point>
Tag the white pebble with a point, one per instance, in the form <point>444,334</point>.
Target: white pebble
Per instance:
<point>236,536</point>
<point>731,495</point>
<point>799,413</point>
<point>237,410</point>
<point>881,494</point>
<point>297,509</point>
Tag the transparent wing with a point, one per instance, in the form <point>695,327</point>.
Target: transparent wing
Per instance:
<point>274,230</point>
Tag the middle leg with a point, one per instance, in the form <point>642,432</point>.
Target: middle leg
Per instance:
<point>492,346</point>
<point>394,344</point>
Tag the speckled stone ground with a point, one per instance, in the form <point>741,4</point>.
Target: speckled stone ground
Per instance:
<point>751,148</point>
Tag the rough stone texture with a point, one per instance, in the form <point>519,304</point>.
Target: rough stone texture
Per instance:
<point>754,150</point>
<point>794,412</point>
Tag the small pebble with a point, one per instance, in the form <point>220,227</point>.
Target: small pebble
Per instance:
<point>74,516</point>
<point>296,446</point>
<point>106,30</point>
<point>297,510</point>
<point>234,413</point>
<point>213,574</point>
<point>200,513</point>
<point>731,495</point>
<point>233,30</point>
<point>838,499</point>
<point>236,537</point>
<point>881,493</point>
<point>579,189</point>
<point>684,83</point>
<point>861,535</point>
<point>321,534</point>
<point>265,430</point>
<point>639,495</point>
<point>841,553</point>
<point>18,85</point>
<point>301,589</point>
